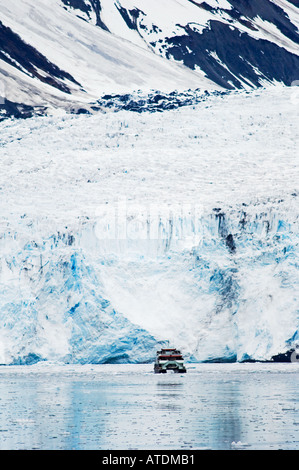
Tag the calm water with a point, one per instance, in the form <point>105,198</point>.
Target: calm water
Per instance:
<point>237,406</point>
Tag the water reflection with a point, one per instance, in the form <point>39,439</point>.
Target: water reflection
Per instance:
<point>204,409</point>
<point>225,422</point>
<point>207,410</point>
<point>170,384</point>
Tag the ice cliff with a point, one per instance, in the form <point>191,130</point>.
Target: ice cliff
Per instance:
<point>221,287</point>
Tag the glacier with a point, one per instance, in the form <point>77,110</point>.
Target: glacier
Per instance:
<point>122,232</point>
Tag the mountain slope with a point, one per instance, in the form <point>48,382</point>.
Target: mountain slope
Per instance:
<point>50,57</point>
<point>69,53</point>
<point>234,43</point>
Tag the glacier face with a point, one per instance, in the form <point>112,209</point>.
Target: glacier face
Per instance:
<point>122,232</point>
<point>225,290</point>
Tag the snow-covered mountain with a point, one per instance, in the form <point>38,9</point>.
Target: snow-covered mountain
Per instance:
<point>235,43</point>
<point>174,224</point>
<point>50,57</point>
<point>69,53</point>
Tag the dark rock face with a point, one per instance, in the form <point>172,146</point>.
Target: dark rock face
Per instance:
<point>87,7</point>
<point>223,50</point>
<point>154,101</point>
<point>8,109</point>
<point>25,58</point>
<point>232,49</point>
<point>238,55</point>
